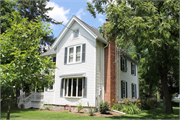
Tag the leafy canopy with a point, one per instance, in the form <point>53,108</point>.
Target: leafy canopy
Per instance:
<point>20,60</point>
<point>152,27</point>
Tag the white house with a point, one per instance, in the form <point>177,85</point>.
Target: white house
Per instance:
<point>90,69</point>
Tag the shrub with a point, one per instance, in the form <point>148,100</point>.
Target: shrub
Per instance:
<point>48,107</point>
<point>103,107</point>
<point>116,107</point>
<point>41,105</point>
<point>130,109</point>
<point>144,105</point>
<point>91,111</point>
<point>79,107</point>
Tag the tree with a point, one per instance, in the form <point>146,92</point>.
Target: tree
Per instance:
<point>37,8</point>
<point>21,62</point>
<point>7,7</point>
<point>152,27</point>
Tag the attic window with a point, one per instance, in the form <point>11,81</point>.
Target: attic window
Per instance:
<point>76,33</point>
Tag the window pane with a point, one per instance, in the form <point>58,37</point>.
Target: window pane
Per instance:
<point>65,87</point>
<point>78,51</point>
<point>76,33</point>
<point>74,86</point>
<point>79,86</point>
<point>71,55</point>
<point>123,89</point>
<point>69,87</point>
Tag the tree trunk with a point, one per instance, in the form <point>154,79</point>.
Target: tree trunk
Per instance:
<point>8,110</point>
<point>166,93</point>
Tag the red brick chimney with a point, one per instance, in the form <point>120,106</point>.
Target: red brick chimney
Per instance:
<point>110,72</point>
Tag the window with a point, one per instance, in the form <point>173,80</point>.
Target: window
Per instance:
<point>123,64</point>
<point>53,60</point>
<point>76,33</point>
<point>123,89</point>
<point>71,52</point>
<point>133,69</point>
<point>51,86</point>
<point>78,53</point>
<point>73,87</point>
<point>133,88</point>
<point>75,54</point>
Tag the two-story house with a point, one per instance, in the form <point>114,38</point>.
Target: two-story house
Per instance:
<point>90,69</point>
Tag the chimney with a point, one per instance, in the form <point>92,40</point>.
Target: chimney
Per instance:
<point>110,71</point>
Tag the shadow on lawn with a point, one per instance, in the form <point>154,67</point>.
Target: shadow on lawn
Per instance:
<point>13,110</point>
<point>151,114</point>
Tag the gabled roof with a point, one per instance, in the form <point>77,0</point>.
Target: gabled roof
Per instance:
<point>125,54</point>
<point>91,30</point>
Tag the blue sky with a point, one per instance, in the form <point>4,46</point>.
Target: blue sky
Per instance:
<point>65,9</point>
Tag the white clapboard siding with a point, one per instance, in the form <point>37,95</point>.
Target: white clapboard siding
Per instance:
<point>88,67</point>
<point>129,78</point>
<point>99,72</point>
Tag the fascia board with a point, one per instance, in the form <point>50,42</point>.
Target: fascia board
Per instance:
<point>67,28</point>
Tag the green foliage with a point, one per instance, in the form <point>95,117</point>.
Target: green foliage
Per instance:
<point>32,114</point>
<point>91,111</point>
<point>127,106</point>
<point>41,105</point>
<point>48,107</point>
<point>21,63</point>
<point>22,105</point>
<point>151,27</point>
<point>7,7</point>
<point>103,107</point>
<point>38,8</point>
<point>80,106</point>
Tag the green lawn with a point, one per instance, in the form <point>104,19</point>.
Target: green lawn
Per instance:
<point>29,114</point>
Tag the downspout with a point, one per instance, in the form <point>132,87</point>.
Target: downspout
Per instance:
<point>106,45</point>
<point>104,71</point>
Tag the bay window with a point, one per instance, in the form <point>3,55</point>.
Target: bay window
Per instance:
<point>73,87</point>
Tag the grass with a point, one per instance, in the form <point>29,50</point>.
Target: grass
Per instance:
<point>29,114</point>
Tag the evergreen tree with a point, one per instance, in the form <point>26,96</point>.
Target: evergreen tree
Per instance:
<point>31,9</point>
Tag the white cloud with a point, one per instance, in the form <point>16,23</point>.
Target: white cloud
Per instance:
<point>101,20</point>
<point>79,13</point>
<point>90,1</point>
<point>58,13</point>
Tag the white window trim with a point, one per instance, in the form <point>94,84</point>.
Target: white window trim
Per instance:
<point>74,54</point>
<point>66,96</point>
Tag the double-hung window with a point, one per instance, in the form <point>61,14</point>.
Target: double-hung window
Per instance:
<point>133,90</point>
<point>75,54</point>
<point>133,69</point>
<point>123,89</point>
<point>123,64</point>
